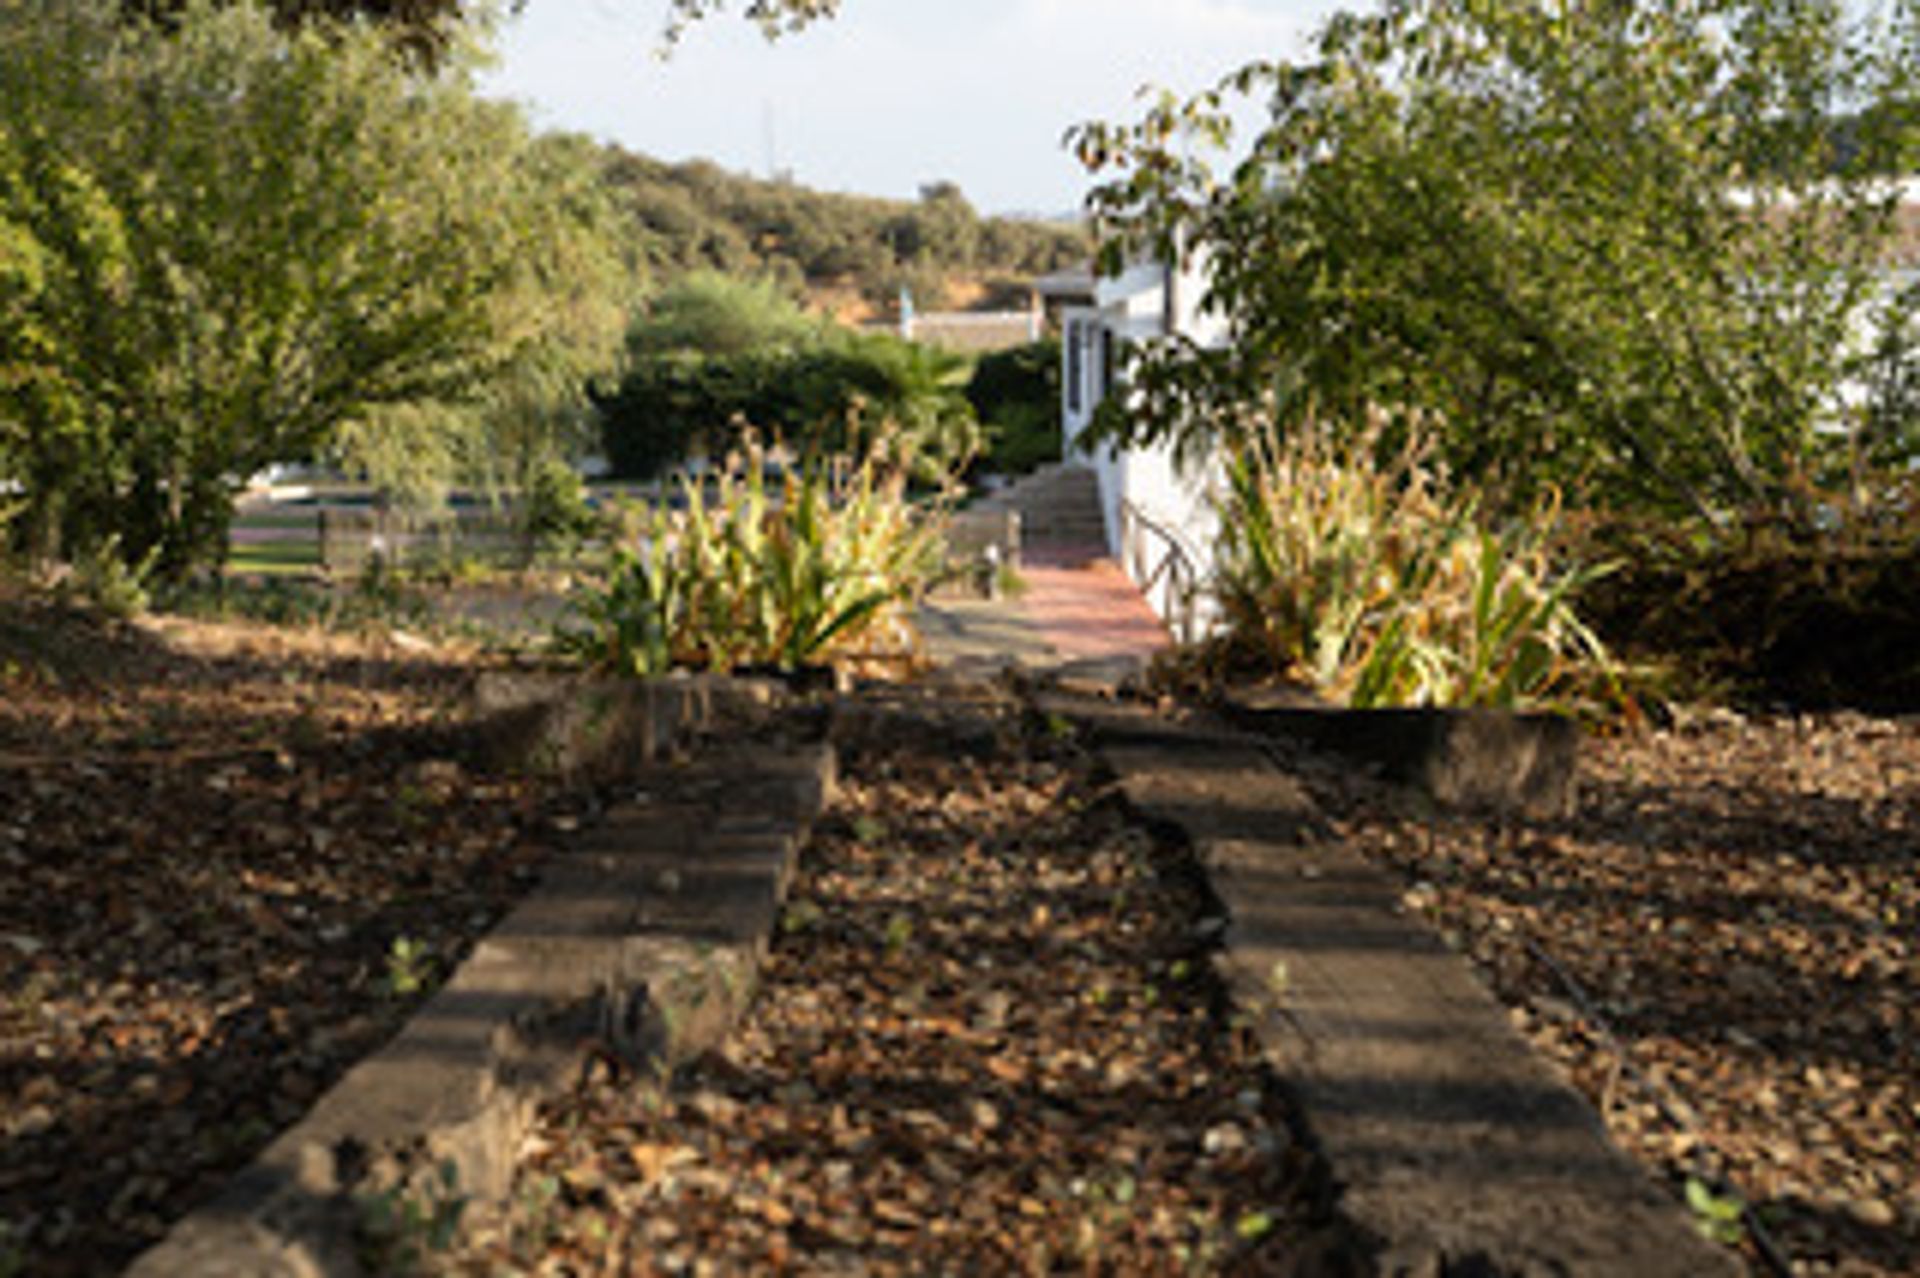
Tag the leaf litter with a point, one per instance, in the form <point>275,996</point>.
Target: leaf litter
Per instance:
<point>988,1040</point>
<point>231,861</point>
<point>1735,904</point>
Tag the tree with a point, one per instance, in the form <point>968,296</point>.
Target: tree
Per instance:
<point>1016,395</point>
<point>1612,247</point>
<point>558,322</point>
<point>708,313</point>
<point>425,29</point>
<point>224,242</point>
<point>713,353</point>
<point>774,16</point>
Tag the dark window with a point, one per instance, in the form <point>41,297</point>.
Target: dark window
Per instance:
<point>1074,362</point>
<point>1107,353</point>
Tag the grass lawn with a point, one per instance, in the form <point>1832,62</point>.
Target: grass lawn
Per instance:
<point>271,557</point>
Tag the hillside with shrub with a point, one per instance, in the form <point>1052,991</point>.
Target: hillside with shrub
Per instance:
<point>850,253</point>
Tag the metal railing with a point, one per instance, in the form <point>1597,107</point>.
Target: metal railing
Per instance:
<point>1175,571</point>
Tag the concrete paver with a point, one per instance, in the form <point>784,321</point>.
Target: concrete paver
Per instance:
<point>1453,1148</point>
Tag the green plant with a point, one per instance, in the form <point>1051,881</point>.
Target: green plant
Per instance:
<point>1717,1216</point>
<point>557,518</point>
<point>1016,394</point>
<point>743,575</point>
<point>401,1227</point>
<point>1476,211</point>
<point>105,579</point>
<point>899,934</point>
<point>410,967</point>
<point>302,233</point>
<point>1354,566</point>
<point>381,596</point>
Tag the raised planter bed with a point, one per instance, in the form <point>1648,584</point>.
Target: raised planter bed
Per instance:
<point>1491,759</point>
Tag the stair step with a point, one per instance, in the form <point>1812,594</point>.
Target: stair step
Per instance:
<point>1059,508</point>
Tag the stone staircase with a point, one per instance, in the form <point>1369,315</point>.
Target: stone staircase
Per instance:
<point>1060,519</point>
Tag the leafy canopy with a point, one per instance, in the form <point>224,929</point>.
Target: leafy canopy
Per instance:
<point>1638,251</point>
<point>222,242</point>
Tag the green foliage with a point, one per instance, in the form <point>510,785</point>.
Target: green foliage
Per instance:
<point>410,967</point>
<point>401,1230</point>
<point>914,394</point>
<point>555,513</point>
<point>221,242</point>
<point>424,29</point>
<point>1373,582</point>
<point>1613,249</point>
<point>744,572</point>
<point>558,318</point>
<point>824,386</point>
<point>1016,395</point>
<point>102,579</point>
<point>709,353</point>
<point>711,314</point>
<point>1719,1217</point>
<point>773,16</point>
<point>696,216</point>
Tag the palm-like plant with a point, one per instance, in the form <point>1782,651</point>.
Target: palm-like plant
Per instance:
<point>1370,580</point>
<point>744,576</point>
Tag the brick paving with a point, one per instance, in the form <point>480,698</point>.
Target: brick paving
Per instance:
<point>1075,609</point>
<point>1093,612</point>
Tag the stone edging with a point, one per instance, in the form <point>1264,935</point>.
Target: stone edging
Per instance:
<point>643,940</point>
<point>1460,758</point>
<point>1454,1148</point>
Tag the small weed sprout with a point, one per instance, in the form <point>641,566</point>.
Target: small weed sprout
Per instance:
<point>399,1230</point>
<point>410,967</point>
<point>1718,1217</point>
<point>899,934</point>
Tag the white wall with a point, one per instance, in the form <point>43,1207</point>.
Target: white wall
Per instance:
<point>1135,307</point>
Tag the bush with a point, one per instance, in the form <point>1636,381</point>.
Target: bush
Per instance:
<point>740,576</point>
<point>102,579</point>
<point>1373,582</point>
<point>1016,394</point>
<point>556,517</point>
<point>678,404</point>
<point>1811,624</point>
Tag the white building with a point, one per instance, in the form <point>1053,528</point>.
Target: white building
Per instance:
<point>1160,521</point>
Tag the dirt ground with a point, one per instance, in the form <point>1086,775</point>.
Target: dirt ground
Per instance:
<point>233,859</point>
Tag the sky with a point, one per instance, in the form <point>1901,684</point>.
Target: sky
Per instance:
<point>893,94</point>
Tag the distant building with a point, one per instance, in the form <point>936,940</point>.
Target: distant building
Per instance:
<point>973,332</point>
<point>970,332</point>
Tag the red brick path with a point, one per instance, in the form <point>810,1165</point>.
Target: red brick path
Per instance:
<point>1090,611</point>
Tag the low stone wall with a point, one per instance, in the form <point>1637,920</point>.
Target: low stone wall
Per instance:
<point>643,941</point>
<point>578,726</point>
<point>1474,759</point>
<point>979,543</point>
